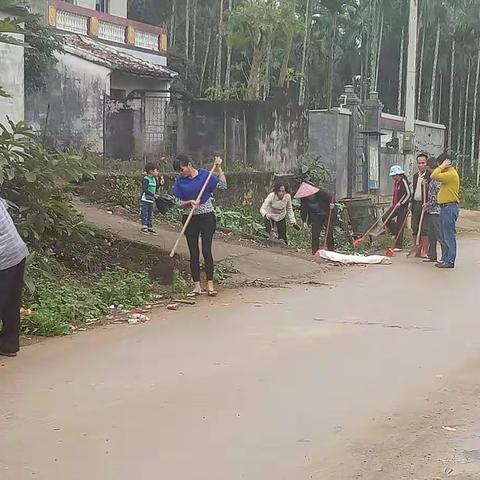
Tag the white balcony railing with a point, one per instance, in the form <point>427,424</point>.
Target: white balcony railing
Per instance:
<point>111,32</point>
<point>146,40</point>
<point>72,22</point>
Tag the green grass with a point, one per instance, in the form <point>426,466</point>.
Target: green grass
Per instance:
<point>58,307</point>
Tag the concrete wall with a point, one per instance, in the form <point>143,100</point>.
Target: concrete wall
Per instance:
<point>265,135</point>
<point>75,94</point>
<point>11,80</point>
<point>328,139</point>
<point>430,138</point>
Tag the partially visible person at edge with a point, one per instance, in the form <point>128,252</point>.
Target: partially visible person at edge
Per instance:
<point>275,209</point>
<point>448,199</point>
<point>13,253</point>
<point>419,192</point>
<point>203,223</point>
<point>316,205</point>
<point>400,200</point>
<point>432,213</point>
<point>150,185</point>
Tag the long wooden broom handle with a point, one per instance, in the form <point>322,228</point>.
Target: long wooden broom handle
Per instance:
<point>389,216</point>
<point>190,215</point>
<point>420,224</point>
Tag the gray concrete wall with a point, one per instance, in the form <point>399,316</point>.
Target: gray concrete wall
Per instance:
<point>12,80</point>
<point>265,135</point>
<point>430,138</point>
<point>75,92</point>
<point>328,139</point>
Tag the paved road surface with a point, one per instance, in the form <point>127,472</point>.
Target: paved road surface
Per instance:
<point>258,385</point>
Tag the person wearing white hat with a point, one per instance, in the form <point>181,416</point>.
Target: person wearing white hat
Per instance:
<point>315,208</point>
<point>400,199</point>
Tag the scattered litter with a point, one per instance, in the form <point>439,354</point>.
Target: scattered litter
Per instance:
<point>449,429</point>
<point>132,321</point>
<point>173,306</point>
<point>109,212</point>
<point>112,307</point>
<point>353,259</point>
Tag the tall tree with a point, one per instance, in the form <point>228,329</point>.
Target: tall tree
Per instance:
<point>434,74</point>
<point>475,104</point>
<point>228,66</point>
<point>306,41</point>
<point>450,99</point>
<point>400,73</point>
<point>218,77</point>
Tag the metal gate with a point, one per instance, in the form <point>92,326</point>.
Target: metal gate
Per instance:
<point>154,109</point>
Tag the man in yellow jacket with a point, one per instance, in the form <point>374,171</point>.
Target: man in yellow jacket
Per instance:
<point>448,200</point>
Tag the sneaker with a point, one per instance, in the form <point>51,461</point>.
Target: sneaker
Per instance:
<point>444,265</point>
<point>151,231</point>
<point>145,231</point>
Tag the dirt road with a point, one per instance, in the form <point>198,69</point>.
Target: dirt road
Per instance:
<point>365,378</point>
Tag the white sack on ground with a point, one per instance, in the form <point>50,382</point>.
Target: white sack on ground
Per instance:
<point>353,259</point>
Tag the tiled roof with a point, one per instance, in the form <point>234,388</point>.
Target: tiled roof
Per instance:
<point>110,57</point>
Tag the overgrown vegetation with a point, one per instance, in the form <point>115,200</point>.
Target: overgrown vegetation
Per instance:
<point>312,169</point>
<point>32,179</point>
<point>470,196</point>
<point>58,305</point>
<point>72,277</point>
<point>40,56</point>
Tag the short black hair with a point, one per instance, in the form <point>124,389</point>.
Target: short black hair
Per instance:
<point>444,156</point>
<point>151,166</point>
<point>432,162</point>
<point>279,185</point>
<point>422,155</point>
<point>181,160</point>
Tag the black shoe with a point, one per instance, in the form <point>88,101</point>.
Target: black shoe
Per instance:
<point>151,231</point>
<point>430,260</point>
<point>8,354</point>
<point>444,265</point>
<point>145,231</point>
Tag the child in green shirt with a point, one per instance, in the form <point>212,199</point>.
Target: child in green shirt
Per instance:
<point>151,184</point>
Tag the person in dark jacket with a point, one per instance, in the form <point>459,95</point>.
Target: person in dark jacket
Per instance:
<point>316,205</point>
<point>418,200</point>
<point>400,200</point>
<point>150,186</point>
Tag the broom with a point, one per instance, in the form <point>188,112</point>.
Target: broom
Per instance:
<point>415,250</point>
<point>357,242</point>
<point>329,222</point>
<point>190,215</point>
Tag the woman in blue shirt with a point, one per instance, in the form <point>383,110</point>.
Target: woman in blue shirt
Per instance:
<point>203,223</point>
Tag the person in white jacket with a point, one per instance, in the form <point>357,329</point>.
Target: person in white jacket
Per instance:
<point>275,210</point>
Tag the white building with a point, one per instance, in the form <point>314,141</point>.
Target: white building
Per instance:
<point>110,90</point>
<point>11,78</point>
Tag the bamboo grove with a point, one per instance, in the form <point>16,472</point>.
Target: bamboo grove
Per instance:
<point>309,49</point>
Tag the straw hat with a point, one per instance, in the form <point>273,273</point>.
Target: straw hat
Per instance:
<point>306,189</point>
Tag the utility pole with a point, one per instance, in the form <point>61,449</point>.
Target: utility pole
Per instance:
<point>410,113</point>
